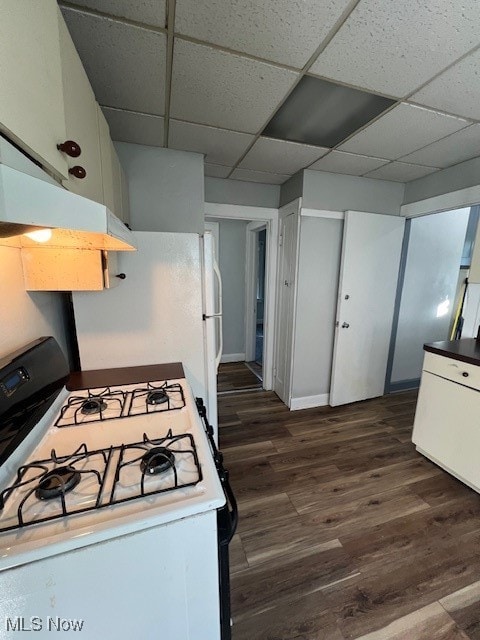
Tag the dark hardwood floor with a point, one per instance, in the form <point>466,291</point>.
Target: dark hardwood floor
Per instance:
<point>345,530</point>
<point>236,376</point>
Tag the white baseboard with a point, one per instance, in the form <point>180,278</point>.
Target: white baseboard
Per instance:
<point>308,402</point>
<point>233,357</point>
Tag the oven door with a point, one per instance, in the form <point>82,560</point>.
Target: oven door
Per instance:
<point>227,520</point>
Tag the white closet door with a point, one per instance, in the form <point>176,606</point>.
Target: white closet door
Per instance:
<point>368,280</point>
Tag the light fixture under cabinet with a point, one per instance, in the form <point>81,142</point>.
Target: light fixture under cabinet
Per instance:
<point>29,204</point>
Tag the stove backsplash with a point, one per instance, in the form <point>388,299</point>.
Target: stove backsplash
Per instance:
<point>27,316</point>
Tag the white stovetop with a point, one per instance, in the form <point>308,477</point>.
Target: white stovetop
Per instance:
<point>34,542</point>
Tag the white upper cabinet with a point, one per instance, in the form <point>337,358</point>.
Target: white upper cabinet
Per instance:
<point>81,121</point>
<point>106,149</point>
<point>31,96</point>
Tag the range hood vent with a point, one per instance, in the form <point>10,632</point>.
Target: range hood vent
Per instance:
<point>28,204</point>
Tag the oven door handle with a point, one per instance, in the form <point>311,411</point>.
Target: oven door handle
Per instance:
<point>228,529</point>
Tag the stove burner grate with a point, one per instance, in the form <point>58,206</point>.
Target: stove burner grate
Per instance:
<point>152,398</point>
<point>56,478</point>
<point>80,409</point>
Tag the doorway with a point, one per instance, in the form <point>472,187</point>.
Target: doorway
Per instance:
<point>241,253</point>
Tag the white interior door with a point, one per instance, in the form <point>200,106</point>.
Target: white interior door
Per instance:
<point>371,250</point>
<point>286,305</point>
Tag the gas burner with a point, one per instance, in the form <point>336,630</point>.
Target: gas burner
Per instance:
<point>157,460</point>
<point>155,397</point>
<point>57,483</point>
<point>93,405</point>
<point>158,396</point>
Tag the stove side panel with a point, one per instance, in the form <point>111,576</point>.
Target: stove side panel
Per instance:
<point>161,582</point>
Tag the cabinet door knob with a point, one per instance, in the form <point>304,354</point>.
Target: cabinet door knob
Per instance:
<point>70,148</point>
<point>345,325</point>
<point>122,276</point>
<point>78,171</point>
<point>465,374</point>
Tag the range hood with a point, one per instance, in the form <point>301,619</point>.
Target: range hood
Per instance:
<point>28,204</point>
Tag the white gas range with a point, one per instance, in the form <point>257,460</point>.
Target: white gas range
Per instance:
<point>110,509</point>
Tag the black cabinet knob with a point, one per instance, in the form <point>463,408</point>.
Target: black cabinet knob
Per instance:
<point>77,171</point>
<point>70,148</point>
<point>122,276</point>
<point>465,374</point>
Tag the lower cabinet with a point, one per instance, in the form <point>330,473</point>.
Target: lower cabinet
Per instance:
<point>447,427</point>
<point>63,269</point>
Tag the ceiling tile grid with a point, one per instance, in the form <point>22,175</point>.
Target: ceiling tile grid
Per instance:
<point>400,172</point>
<point>458,147</point>
<point>220,146</point>
<point>402,130</point>
<point>139,128</point>
<point>125,64</point>
<point>283,31</point>
<point>258,176</point>
<point>216,170</point>
<point>151,12</point>
<point>394,47</point>
<point>225,90</point>
<point>280,156</point>
<point>348,163</point>
<point>457,90</point>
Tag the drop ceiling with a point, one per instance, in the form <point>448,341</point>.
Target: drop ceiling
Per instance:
<point>264,88</point>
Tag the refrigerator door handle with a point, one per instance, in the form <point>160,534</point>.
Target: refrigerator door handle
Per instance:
<point>218,315</point>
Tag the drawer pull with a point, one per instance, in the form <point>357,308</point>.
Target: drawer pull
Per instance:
<point>465,374</point>
<point>77,171</point>
<point>70,147</point>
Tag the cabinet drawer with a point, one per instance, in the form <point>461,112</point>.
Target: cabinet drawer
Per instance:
<point>455,370</point>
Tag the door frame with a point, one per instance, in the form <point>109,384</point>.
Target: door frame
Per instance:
<point>269,217</point>
<point>292,208</point>
<point>251,275</point>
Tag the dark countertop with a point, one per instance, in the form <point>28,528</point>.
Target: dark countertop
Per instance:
<point>466,350</point>
<point>125,375</point>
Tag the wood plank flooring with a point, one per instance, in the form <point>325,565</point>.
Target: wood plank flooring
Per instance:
<point>234,376</point>
<point>346,532</point>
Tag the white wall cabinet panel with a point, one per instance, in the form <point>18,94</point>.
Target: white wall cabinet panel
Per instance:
<point>106,161</point>
<point>80,119</point>
<point>31,99</point>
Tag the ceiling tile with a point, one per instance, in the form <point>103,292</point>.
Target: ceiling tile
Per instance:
<point>460,146</point>
<point>125,64</point>
<point>402,130</point>
<point>280,156</point>
<point>400,172</point>
<point>225,90</point>
<point>218,145</point>
<point>394,47</point>
<point>456,90</point>
<point>349,163</point>
<point>139,128</point>
<point>284,31</point>
<point>258,176</point>
<point>216,171</point>
<point>151,12</point>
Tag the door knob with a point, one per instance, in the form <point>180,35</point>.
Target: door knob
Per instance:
<point>345,325</point>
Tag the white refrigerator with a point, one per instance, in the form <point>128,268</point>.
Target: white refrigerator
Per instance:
<point>167,309</point>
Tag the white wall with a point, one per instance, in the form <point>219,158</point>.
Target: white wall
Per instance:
<point>336,192</point>
<point>232,241</point>
<point>435,247</point>
<point>166,188</point>
<point>319,265</point>
<point>460,176</point>
<point>251,194</point>
<point>26,316</point>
